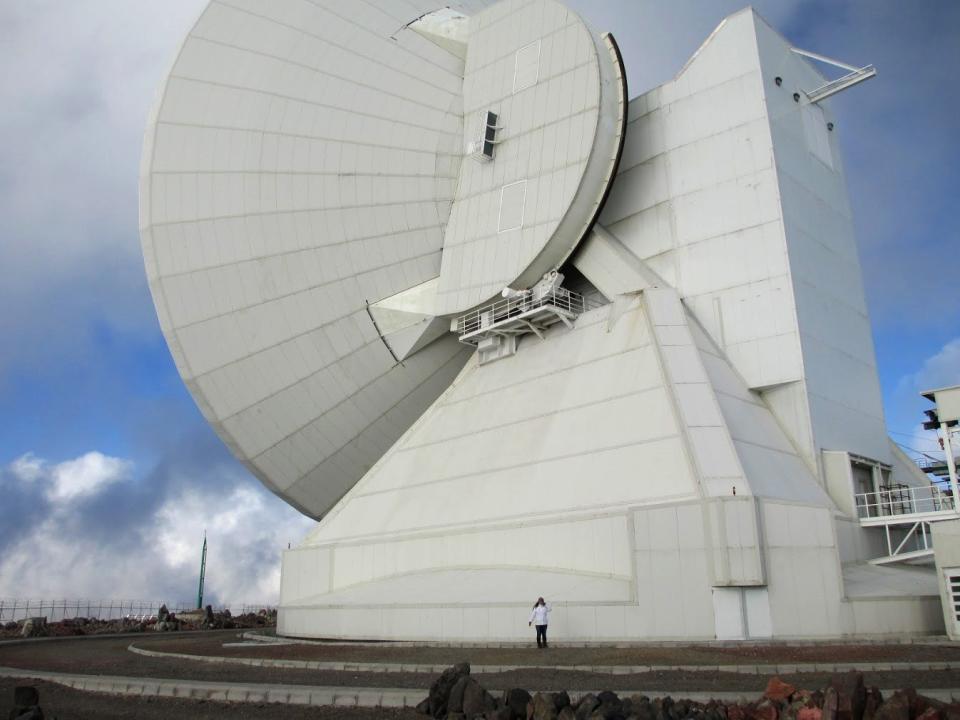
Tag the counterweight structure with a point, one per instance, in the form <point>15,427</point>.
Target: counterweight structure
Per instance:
<point>505,333</point>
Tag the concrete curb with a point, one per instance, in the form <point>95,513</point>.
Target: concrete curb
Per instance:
<point>317,695</point>
<point>935,640</point>
<point>111,636</point>
<point>227,692</point>
<point>779,669</point>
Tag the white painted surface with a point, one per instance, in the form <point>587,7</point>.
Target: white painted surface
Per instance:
<point>524,432</point>
<point>861,580</point>
<point>300,163</point>
<point>730,533</point>
<point>729,614</point>
<point>947,401</point>
<point>946,543</point>
<point>658,470</point>
<point>839,366</point>
<point>757,612</point>
<point>306,159</point>
<point>553,84</point>
<point>735,195</point>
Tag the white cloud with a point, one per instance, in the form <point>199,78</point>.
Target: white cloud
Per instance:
<point>27,468</point>
<point>86,475</point>
<point>941,370</point>
<point>66,552</point>
<point>84,75</point>
<point>81,477</point>
<point>246,530</point>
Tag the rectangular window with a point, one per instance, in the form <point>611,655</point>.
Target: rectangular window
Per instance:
<point>513,198</point>
<point>952,577</point>
<point>526,71</point>
<point>816,133</point>
<point>489,134</point>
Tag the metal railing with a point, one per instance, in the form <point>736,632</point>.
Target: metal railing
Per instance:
<point>841,83</point>
<point>929,464</point>
<point>903,501</point>
<point>15,609</point>
<point>560,299</point>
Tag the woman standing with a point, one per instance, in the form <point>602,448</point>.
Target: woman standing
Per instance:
<point>539,618</point>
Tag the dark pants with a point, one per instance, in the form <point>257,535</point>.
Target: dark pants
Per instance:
<point>541,635</point>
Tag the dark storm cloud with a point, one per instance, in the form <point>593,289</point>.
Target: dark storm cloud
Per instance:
<point>140,534</point>
<point>125,510</point>
<point>122,512</point>
<point>83,362</point>
<point>24,506</point>
<point>75,104</point>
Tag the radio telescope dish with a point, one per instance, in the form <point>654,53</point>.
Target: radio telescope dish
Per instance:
<point>311,218</point>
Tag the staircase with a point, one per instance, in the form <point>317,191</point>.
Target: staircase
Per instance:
<point>910,511</point>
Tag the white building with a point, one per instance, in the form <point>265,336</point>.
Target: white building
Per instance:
<point>684,440</point>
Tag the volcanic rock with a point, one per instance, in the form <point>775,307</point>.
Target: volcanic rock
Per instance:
<point>34,627</point>
<point>851,695</point>
<point>439,694</point>
<point>516,701</point>
<point>779,691</point>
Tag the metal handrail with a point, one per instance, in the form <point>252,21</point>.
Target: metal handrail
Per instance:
<point>560,298</point>
<point>925,463</point>
<point>903,501</point>
<point>841,83</point>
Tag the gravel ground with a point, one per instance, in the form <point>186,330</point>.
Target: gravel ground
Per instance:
<point>67,704</point>
<point>670,655</point>
<point>109,656</point>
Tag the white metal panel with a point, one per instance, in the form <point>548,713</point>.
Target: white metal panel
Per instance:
<point>300,162</point>
<point>527,66</point>
<point>513,200</point>
<point>557,90</point>
<point>548,415</point>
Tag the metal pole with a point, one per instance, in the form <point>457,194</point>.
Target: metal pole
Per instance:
<point>951,466</point>
<point>203,571</point>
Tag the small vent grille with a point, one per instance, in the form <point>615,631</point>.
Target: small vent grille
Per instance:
<point>489,135</point>
<point>953,591</point>
<point>484,144</point>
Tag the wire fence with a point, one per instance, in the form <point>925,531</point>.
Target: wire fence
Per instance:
<point>16,609</point>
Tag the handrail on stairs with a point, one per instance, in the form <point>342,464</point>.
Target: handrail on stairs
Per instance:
<point>895,502</point>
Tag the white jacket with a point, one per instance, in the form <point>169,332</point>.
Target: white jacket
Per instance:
<point>539,614</point>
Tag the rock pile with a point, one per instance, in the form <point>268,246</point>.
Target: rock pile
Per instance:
<point>165,621</point>
<point>34,627</point>
<point>457,696</point>
<point>207,619</point>
<point>26,704</point>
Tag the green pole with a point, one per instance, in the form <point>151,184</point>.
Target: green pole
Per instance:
<point>203,571</point>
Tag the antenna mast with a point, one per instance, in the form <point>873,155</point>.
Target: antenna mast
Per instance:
<point>203,570</point>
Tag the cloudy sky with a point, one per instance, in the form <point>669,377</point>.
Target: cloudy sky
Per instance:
<point>108,474</point>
